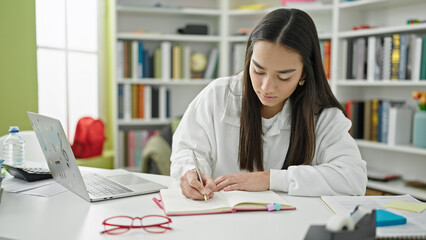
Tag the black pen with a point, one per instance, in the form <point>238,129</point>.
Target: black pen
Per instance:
<point>197,168</point>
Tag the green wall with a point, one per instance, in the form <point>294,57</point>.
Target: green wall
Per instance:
<point>18,64</point>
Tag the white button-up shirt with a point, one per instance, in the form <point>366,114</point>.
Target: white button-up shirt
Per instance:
<point>211,126</point>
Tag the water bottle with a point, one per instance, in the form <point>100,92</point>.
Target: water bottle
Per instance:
<point>14,147</point>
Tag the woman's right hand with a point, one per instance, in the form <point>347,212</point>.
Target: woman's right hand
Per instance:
<point>192,188</point>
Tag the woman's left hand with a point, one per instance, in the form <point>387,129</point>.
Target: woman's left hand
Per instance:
<point>254,181</point>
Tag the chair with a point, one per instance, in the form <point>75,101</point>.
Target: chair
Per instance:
<point>157,151</point>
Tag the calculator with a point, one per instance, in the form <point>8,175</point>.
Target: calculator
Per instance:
<point>29,174</point>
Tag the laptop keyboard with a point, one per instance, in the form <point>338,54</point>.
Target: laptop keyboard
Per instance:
<point>99,186</point>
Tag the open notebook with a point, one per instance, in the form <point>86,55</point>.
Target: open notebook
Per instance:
<point>174,203</point>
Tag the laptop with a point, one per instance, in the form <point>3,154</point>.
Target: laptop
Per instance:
<point>91,186</point>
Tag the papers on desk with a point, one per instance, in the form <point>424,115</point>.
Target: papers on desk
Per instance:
<point>416,222</point>
<point>43,188</point>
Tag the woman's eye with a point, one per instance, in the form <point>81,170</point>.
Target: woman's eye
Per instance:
<point>283,79</point>
<point>258,73</point>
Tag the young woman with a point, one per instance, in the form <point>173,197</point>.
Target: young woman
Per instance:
<point>276,125</point>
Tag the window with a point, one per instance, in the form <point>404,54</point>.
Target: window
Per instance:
<point>67,60</point>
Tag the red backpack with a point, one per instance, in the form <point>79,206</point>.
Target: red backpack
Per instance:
<point>89,138</point>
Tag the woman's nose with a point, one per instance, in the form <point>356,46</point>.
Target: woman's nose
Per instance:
<point>268,84</point>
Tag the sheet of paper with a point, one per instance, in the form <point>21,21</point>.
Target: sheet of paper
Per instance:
<point>407,206</point>
<point>46,190</point>
<point>416,222</point>
<point>16,185</point>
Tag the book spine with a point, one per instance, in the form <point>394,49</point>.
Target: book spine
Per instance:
<point>374,119</point>
<point>349,59</point>
<point>367,120</point>
<point>140,104</point>
<point>141,60</point>
<point>379,59</point>
<point>423,61</point>
<point>157,63</point>
<point>120,55</point>
<point>166,48</point>
<point>387,52</point>
<point>395,56</point>
<point>360,64</point>
<point>403,46</point>
<point>162,103</point>
<point>327,58</point>
<point>385,120</point>
<point>147,102</point>
<point>134,101</point>
<point>135,60</point>
<point>371,59</point>
<point>120,101</point>
<point>127,101</point>
<point>417,58</point>
<point>208,74</point>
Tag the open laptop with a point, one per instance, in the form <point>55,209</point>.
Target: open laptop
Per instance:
<point>63,166</point>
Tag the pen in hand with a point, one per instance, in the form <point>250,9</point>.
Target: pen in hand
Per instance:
<point>197,168</point>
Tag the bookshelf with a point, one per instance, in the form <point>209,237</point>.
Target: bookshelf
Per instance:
<point>334,20</point>
<point>387,17</point>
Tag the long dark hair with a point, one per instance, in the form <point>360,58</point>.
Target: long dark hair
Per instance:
<point>295,29</point>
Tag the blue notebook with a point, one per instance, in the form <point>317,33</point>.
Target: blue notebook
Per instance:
<point>385,218</point>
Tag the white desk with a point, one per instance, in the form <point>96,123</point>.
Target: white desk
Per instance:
<point>67,216</point>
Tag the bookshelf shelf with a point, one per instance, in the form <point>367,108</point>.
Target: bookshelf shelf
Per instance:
<point>380,83</point>
<point>394,148</point>
<point>167,37</point>
<point>397,187</point>
<point>169,10</point>
<point>373,4</point>
<point>143,123</point>
<point>360,3</point>
<point>383,30</point>
<point>174,82</point>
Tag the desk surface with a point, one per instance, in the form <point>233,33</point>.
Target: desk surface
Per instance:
<point>67,216</point>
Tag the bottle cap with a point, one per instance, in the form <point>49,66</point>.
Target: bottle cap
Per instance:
<point>13,129</point>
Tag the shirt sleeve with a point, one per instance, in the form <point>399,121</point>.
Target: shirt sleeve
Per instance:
<point>193,132</point>
<point>337,167</point>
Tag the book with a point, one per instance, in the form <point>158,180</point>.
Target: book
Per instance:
<point>209,73</point>
<point>423,61</point>
<point>166,53</point>
<point>403,56</point>
<point>386,59</point>
<point>414,57</point>
<point>415,222</point>
<point>371,58</point>
<point>400,125</point>
<point>174,203</point>
<point>395,57</point>
<point>327,58</point>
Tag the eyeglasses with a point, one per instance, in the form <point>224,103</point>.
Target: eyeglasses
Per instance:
<point>122,224</point>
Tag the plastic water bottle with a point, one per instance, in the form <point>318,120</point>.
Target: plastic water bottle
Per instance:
<point>14,147</point>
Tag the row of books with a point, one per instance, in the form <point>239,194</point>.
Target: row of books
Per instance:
<point>169,61</point>
<point>239,49</point>
<point>396,57</point>
<point>134,141</point>
<point>140,101</point>
<point>380,120</point>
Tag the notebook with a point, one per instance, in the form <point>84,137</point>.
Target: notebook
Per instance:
<point>414,227</point>
<point>174,203</point>
<point>63,166</point>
